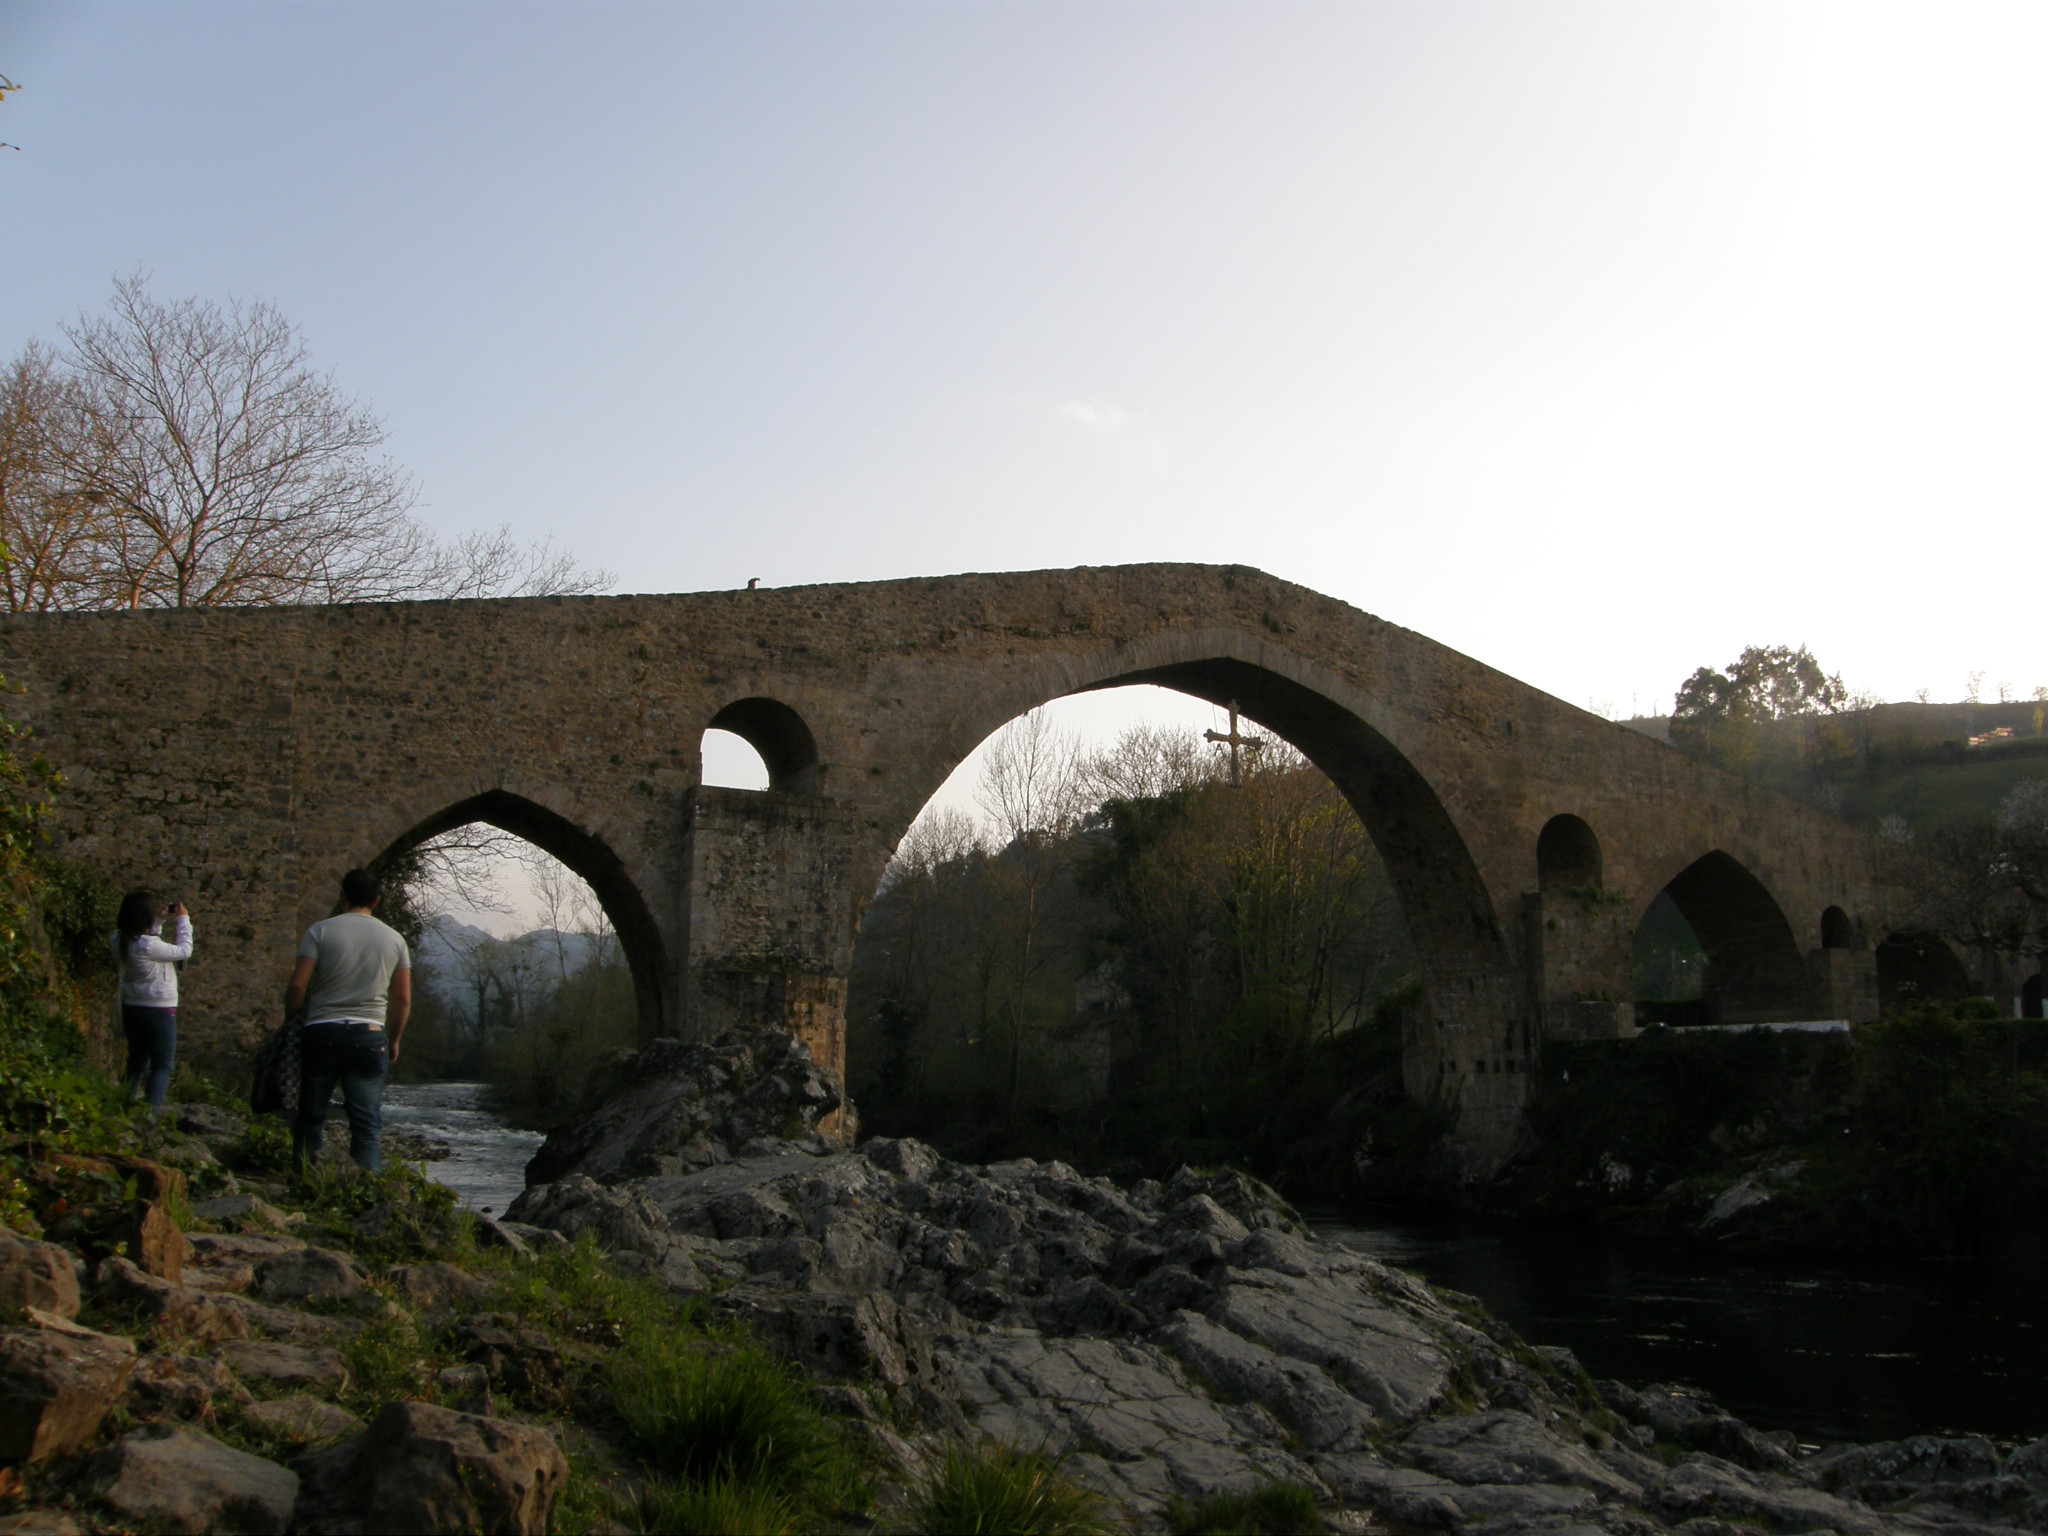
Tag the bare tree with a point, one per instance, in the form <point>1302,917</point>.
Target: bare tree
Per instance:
<point>189,454</point>
<point>1148,761</point>
<point>50,532</point>
<point>233,471</point>
<point>497,565</point>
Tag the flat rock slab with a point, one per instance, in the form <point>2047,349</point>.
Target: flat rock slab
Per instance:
<point>1147,1433</point>
<point>183,1310</point>
<point>220,1247</point>
<point>286,1365</point>
<point>309,1275</point>
<point>40,1522</point>
<point>438,1284</point>
<point>56,1389</point>
<point>1326,1417</point>
<point>422,1468</point>
<point>300,1419</point>
<point>229,1277</point>
<point>288,1322</point>
<point>209,1121</point>
<point>1507,1447</point>
<point>1378,1353</point>
<point>250,1209</point>
<point>172,1478</point>
<point>1706,1486</point>
<point>184,1385</point>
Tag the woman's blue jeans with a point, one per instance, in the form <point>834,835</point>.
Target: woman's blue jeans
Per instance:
<point>152,1050</point>
<point>354,1058</point>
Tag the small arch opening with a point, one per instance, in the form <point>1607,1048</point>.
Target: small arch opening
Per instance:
<point>776,734</point>
<point>1836,931</point>
<point>730,762</point>
<point>2030,997</point>
<point>1567,854</point>
<point>1915,967</point>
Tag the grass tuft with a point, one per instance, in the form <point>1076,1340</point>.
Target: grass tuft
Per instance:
<point>1277,1509</point>
<point>727,1507</point>
<point>713,1414</point>
<point>997,1490</point>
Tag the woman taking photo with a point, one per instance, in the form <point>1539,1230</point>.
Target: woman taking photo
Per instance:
<point>149,990</point>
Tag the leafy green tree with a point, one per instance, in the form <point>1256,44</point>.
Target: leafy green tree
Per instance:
<point>1722,716</point>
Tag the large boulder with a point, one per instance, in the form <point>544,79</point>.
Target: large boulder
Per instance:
<point>1705,1487</point>
<point>56,1389</point>
<point>839,1338</point>
<point>438,1284</point>
<point>272,1366</point>
<point>1886,1465</point>
<point>677,1105</point>
<point>308,1274</point>
<point>170,1478</point>
<point>300,1419</point>
<point>184,1386</point>
<point>36,1275</point>
<point>1508,1448</point>
<point>2031,1463</point>
<point>181,1310</point>
<point>422,1468</point>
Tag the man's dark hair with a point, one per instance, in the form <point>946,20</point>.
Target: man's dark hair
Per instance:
<point>360,888</point>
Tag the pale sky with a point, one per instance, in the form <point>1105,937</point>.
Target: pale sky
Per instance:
<point>1594,340</point>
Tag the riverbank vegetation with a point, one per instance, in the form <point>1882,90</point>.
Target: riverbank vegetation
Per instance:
<point>1134,963</point>
<point>1925,1133</point>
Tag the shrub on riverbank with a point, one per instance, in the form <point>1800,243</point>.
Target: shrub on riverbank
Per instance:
<point>1948,1143</point>
<point>1925,1133</point>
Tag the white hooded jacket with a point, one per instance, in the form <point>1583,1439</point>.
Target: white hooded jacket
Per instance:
<point>149,974</point>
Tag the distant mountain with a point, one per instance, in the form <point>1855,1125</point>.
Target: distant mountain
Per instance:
<point>445,942</point>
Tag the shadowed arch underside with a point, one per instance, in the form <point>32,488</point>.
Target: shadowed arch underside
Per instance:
<point>1755,971</point>
<point>591,859</point>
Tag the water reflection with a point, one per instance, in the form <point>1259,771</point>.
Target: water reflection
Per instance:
<point>1831,1350</point>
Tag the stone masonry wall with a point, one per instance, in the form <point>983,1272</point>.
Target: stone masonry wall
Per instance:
<point>243,758</point>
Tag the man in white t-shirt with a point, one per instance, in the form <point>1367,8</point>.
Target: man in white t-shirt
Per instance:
<point>354,979</point>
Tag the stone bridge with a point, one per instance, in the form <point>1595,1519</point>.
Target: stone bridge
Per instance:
<point>245,757</point>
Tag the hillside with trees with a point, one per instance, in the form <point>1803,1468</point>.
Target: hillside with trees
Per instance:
<point>1964,784</point>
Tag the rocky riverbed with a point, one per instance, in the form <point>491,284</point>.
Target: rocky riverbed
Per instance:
<point>1170,1340</point>
<point>1180,1338</point>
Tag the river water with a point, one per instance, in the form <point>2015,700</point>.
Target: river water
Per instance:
<point>1830,1350</point>
<point>486,1161</point>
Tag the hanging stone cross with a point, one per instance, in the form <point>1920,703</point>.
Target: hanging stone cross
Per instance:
<point>1234,741</point>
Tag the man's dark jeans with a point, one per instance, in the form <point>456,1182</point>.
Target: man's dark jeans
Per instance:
<point>355,1058</point>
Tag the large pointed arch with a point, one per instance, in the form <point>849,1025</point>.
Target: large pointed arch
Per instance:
<point>589,856</point>
<point>1477,1003</point>
<point>1756,972</point>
